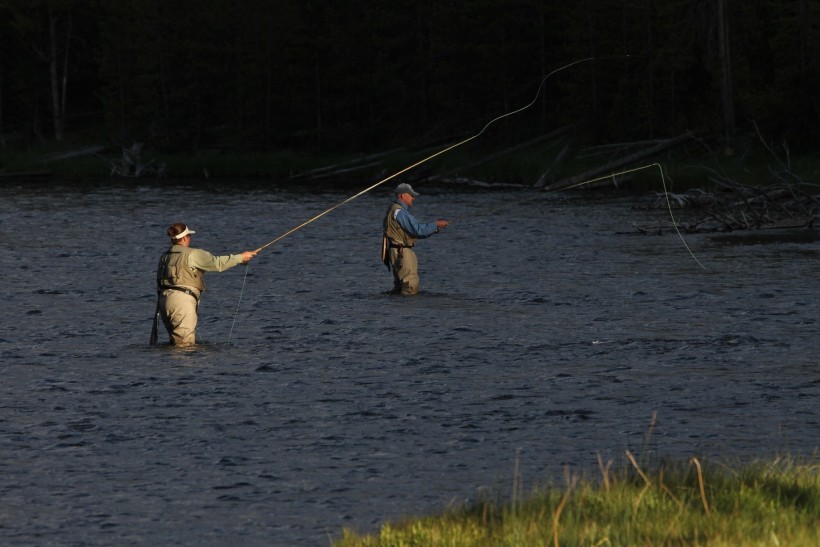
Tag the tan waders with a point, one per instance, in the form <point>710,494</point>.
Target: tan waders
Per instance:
<point>405,266</point>
<point>178,312</point>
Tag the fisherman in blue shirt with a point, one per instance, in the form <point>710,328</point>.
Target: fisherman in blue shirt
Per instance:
<point>401,230</point>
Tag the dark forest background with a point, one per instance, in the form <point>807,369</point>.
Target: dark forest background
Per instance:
<point>368,75</point>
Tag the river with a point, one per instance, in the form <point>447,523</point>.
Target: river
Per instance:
<point>546,335</point>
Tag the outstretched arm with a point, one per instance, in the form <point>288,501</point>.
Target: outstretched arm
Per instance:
<point>205,261</point>
<point>413,227</point>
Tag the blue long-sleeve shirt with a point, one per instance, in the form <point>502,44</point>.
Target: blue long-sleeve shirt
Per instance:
<point>412,226</point>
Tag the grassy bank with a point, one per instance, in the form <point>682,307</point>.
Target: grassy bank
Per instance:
<point>686,503</point>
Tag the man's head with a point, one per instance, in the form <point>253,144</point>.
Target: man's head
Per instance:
<point>405,193</point>
<point>180,234</point>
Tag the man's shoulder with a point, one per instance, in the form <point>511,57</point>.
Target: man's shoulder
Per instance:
<point>395,208</point>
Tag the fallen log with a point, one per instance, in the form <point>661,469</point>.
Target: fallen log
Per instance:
<point>615,147</point>
<point>345,167</point>
<point>464,181</point>
<point>507,151</point>
<point>132,166</point>
<point>21,174</point>
<point>542,180</point>
<point>347,170</point>
<point>617,164</point>
<point>88,151</point>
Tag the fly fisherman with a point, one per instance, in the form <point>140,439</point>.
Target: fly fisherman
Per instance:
<point>180,284</point>
<point>401,230</point>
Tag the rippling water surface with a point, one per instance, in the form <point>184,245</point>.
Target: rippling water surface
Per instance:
<point>315,402</point>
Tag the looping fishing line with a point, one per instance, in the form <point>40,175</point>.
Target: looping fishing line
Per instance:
<point>440,152</point>
<point>241,292</point>
<point>672,216</point>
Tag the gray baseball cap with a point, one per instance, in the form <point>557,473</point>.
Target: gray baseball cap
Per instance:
<point>405,188</point>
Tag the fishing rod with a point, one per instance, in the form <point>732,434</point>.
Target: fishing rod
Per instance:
<point>609,176</point>
<point>436,154</point>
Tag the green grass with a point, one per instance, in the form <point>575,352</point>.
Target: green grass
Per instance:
<point>685,503</point>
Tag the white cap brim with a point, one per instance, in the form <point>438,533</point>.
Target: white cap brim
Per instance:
<point>184,233</point>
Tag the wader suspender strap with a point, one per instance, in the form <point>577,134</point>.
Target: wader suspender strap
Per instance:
<point>155,326</point>
<point>399,254</point>
<point>386,252</point>
<point>153,340</point>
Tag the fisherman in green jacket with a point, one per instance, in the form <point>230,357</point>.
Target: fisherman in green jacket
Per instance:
<point>180,283</point>
<point>401,230</point>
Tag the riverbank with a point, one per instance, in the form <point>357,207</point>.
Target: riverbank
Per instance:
<point>541,164</point>
<point>772,502</point>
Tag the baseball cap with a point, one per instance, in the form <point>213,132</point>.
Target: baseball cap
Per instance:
<point>405,188</point>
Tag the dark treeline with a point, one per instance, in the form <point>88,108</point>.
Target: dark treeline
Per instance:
<point>374,74</point>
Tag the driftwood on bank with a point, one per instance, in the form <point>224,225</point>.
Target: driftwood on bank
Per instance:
<point>736,206</point>
<point>88,151</point>
<point>787,201</point>
<point>559,159</point>
<point>375,161</point>
<point>619,163</point>
<point>783,201</point>
<point>132,165</point>
<point>507,151</point>
<point>358,164</point>
<point>616,147</point>
<point>25,174</point>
